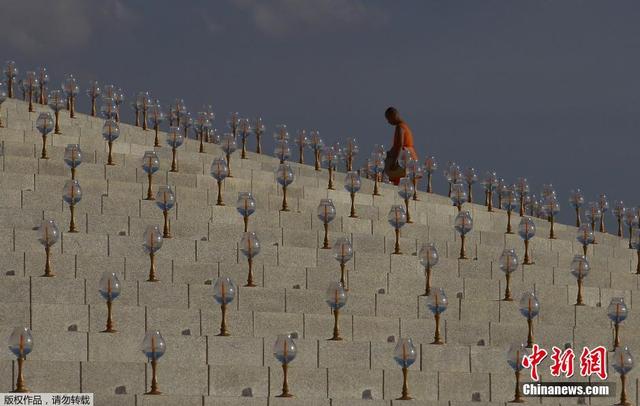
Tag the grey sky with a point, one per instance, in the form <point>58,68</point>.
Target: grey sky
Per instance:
<point>542,89</point>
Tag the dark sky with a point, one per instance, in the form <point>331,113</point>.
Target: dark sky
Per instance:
<point>543,89</point>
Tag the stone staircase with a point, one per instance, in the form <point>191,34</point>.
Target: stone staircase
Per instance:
<point>66,313</point>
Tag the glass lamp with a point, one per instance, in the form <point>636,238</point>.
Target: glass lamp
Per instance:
<point>143,101</point>
<point>405,355</point>
<point>428,259</point>
<point>623,364</point>
<point>397,217</point>
<point>246,206</point>
<point>618,213</point>
<point>437,303</point>
<point>430,166</point>
<point>317,144</point>
<point>551,208</point>
<point>515,354</point>
<point>490,183</point>
<point>71,89</point>
<point>453,174</point>
<point>285,177</point>
<point>336,298</point>
<point>631,221</point>
<point>165,200</point>
<point>509,203</point>
<point>351,149</point>
<point>109,288</point>
<point>285,350</point>
<point>233,122</point>
<point>463,225</point>
<point>458,195</point>
<point>44,124</point>
<point>49,235</point>
<point>152,243</point>
<point>576,200</point>
<point>301,142</point>
<point>150,165</point>
<point>405,191</point>
<point>228,144</point>
<point>73,158</point>
<point>326,214</point>
<point>201,126</point>
<point>377,168</point>
<point>250,247</point>
<point>343,252</point>
<point>522,188</point>
<point>617,312</point>
<point>108,109</point>
<point>31,84</point>
<point>118,99</point>
<point>219,171</point>
<point>352,185</point>
<point>3,97</point>
<point>10,72</point>
<point>593,216</point>
<point>603,204</point>
<point>110,133</point>
<point>529,308</point>
<point>244,130</point>
<point>414,172</point>
<point>580,269</point>
<point>258,130</point>
<point>156,116</point>
<point>186,122</point>
<point>526,231</point>
<point>21,345</point>
<point>635,244</point>
<point>508,264</point>
<point>93,91</point>
<point>470,177</point>
<point>153,347</point>
<point>43,81</point>
<point>224,291</point>
<point>330,156</point>
<point>282,150</point>
<point>72,194</point>
<point>174,139</point>
<point>585,237</point>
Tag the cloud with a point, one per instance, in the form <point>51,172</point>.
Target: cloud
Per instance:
<point>281,17</point>
<point>43,27</point>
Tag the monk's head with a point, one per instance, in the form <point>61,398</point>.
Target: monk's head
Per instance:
<point>392,115</point>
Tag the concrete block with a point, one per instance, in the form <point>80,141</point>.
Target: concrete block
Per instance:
<point>272,324</point>
<point>236,351</point>
<point>261,299</point>
<point>348,382</point>
<point>307,384</point>
<point>58,290</point>
<point>344,355</point>
<point>463,386</point>
<point>239,324</point>
<point>180,378</point>
<point>423,386</point>
<point>59,318</point>
<point>320,326</point>
<point>175,321</point>
<point>232,380</point>
<point>163,294</point>
<point>113,378</point>
<point>45,376</point>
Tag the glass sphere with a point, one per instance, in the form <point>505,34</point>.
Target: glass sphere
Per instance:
<point>526,228</point>
<point>405,353</point>
<point>430,164</point>
<point>576,198</point>
<point>110,130</point>
<point>490,181</point>
<point>617,310</point>
<point>108,108</point>
<point>529,305</point>
<point>150,162</point>
<point>458,194</point>
<point>165,198</point>
<point>49,233</point>
<point>10,70</point>
<point>405,188</point>
<point>21,342</point>
<point>281,133</point>
<point>550,206</point>
<point>70,86</point>
<point>109,286</point>
<point>593,212</point>
<point>470,176</point>
<point>352,182</point>
<point>153,345</point>
<point>174,137</point>
<point>510,198</point>
<point>219,169</point>
<point>585,235</point>
<point>94,89</point>
<point>3,94</point>
<point>284,175</point>
<point>336,296</point>
<point>580,266</point>
<point>603,203</point>
<point>508,261</point>
<point>44,123</point>
<point>56,100</point>
<point>326,210</point>
<point>622,360</point>
<point>224,290</point>
<point>71,192</point>
<point>246,204</point>
<point>635,239</point>
<point>258,126</point>
<point>152,239</point>
<point>249,244</point>
<point>301,139</point>
<point>228,143</point>
<point>73,155</point>
<point>463,222</point>
<point>522,186</point>
<point>244,127</point>
<point>156,115</point>
<point>437,301</point>
<point>343,250</point>
<point>414,169</point>
<point>397,216</point>
<point>618,209</point>
<point>284,348</point>
<point>428,255</point>
<point>515,354</point>
<point>630,218</point>
<point>282,150</point>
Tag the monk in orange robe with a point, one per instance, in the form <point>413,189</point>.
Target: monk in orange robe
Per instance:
<point>402,137</point>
